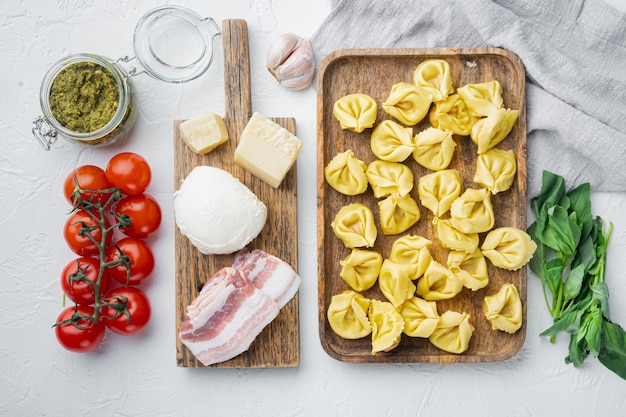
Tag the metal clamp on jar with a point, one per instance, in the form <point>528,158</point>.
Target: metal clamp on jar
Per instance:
<point>89,99</point>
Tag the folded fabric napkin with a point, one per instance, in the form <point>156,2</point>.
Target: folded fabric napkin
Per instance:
<point>573,51</point>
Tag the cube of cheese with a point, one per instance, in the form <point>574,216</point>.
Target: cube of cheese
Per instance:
<point>204,133</point>
<point>267,150</point>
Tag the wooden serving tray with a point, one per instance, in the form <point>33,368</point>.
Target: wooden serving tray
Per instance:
<point>373,72</point>
<point>278,345</point>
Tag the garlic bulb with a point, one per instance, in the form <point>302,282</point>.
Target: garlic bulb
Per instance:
<point>290,60</point>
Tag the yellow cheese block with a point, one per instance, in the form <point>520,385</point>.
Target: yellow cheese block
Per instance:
<point>267,150</point>
<point>204,133</point>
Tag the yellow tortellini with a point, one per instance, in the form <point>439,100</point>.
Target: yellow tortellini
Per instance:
<point>398,213</point>
<point>390,141</point>
<point>491,130</point>
<point>346,173</point>
<point>420,317</point>
<point>472,211</point>
<point>354,225</point>
<point>450,238</point>
<point>438,190</point>
<point>360,269</point>
<point>482,98</point>
<point>387,326</point>
<point>413,252</point>
<point>395,283</point>
<point>508,248</point>
<point>356,112</point>
<point>412,283</point>
<point>452,114</point>
<point>504,309</point>
<point>438,283</point>
<point>348,315</point>
<point>389,177</point>
<point>408,103</point>
<point>454,332</point>
<point>495,170</point>
<point>435,76</point>
<point>434,148</point>
<point>471,267</point>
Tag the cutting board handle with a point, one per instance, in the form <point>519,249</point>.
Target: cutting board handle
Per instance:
<point>237,97</point>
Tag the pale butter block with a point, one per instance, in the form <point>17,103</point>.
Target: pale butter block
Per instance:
<point>204,133</point>
<point>267,150</point>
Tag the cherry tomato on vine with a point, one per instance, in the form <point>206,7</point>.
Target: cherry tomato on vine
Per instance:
<point>130,172</point>
<point>79,242</point>
<point>89,177</point>
<point>138,306</point>
<point>82,334</point>
<point>144,212</point>
<point>76,278</point>
<point>140,257</point>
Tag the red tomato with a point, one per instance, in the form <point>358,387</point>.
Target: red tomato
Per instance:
<point>138,306</point>
<point>81,244</point>
<point>90,178</point>
<point>144,212</point>
<point>82,334</point>
<point>130,172</point>
<point>79,277</point>
<point>140,258</point>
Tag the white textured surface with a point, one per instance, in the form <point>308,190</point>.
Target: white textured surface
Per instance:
<point>137,376</point>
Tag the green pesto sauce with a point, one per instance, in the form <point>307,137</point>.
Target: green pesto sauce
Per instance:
<point>84,97</point>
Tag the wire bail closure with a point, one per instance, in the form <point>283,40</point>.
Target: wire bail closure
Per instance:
<point>44,133</point>
<point>128,68</point>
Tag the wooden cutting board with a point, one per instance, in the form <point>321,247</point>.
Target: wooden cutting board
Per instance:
<point>278,345</point>
<point>373,72</point>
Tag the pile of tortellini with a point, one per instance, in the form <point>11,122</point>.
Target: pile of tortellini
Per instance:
<point>410,279</point>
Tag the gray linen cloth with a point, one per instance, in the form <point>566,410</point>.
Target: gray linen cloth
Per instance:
<point>573,51</point>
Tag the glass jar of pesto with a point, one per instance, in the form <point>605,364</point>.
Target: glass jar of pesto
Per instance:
<point>90,99</point>
<point>86,99</point>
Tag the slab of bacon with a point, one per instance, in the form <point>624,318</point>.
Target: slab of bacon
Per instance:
<point>268,273</point>
<point>236,304</point>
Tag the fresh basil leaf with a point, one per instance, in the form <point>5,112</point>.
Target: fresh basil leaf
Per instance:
<point>582,330</point>
<point>575,230</point>
<point>613,353</point>
<point>600,294</point>
<point>601,239</point>
<point>585,254</point>
<point>578,351</point>
<point>593,330</point>
<point>580,200</point>
<point>568,322</point>
<point>580,197</point>
<point>561,233</point>
<point>596,269</point>
<point>552,189</point>
<point>553,275</point>
<point>573,282</point>
<point>541,227</point>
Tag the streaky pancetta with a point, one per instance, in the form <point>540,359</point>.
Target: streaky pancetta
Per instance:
<point>268,273</point>
<point>226,317</point>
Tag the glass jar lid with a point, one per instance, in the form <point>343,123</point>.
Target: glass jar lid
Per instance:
<point>174,44</point>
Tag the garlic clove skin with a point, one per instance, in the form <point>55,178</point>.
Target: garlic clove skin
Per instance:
<point>298,70</point>
<point>290,60</point>
<point>282,46</point>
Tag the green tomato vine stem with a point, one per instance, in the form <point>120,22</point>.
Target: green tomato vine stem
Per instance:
<point>98,212</point>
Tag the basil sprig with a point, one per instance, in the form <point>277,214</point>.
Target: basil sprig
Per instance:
<point>571,260</point>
